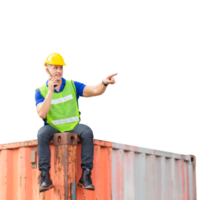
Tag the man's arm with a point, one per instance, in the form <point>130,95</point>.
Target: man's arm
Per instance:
<point>44,107</point>
<point>37,101</point>
<point>36,110</point>
<point>91,91</point>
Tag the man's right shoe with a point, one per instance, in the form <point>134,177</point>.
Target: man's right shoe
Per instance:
<point>85,180</point>
<point>45,181</point>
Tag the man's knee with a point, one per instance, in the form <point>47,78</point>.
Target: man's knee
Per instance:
<point>41,131</point>
<point>88,133</point>
<point>46,133</point>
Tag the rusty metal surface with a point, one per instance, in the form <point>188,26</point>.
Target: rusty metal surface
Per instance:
<point>121,172</point>
<point>65,138</point>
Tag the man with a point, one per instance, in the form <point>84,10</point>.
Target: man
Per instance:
<point>57,105</point>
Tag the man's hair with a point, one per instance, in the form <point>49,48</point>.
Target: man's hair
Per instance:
<point>48,65</point>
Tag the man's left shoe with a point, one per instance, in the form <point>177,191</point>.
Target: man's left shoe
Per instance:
<point>45,182</point>
<point>85,180</point>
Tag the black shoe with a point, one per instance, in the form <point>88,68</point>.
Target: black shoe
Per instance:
<point>85,180</point>
<point>45,181</point>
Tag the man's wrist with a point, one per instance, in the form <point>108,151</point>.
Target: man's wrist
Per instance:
<point>50,92</point>
<point>104,83</point>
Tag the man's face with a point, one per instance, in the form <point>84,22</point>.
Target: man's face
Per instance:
<point>56,71</point>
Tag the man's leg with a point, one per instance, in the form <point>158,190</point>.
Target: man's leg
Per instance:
<point>45,134</point>
<point>85,133</point>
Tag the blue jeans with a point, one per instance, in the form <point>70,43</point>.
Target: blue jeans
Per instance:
<point>46,133</point>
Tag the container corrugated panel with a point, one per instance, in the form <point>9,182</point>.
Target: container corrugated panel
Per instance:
<point>121,172</point>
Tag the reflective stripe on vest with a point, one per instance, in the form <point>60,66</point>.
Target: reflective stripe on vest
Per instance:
<point>62,100</point>
<point>63,114</point>
<point>65,121</point>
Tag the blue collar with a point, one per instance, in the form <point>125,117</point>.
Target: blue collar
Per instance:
<point>61,87</point>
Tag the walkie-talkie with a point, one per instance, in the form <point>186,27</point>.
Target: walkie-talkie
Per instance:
<point>51,76</point>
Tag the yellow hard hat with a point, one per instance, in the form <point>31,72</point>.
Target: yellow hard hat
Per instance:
<point>54,59</point>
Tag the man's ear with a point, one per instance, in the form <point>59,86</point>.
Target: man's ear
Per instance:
<point>45,71</point>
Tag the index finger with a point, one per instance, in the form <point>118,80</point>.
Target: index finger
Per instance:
<point>113,74</point>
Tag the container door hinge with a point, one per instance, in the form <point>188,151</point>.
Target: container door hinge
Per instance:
<point>34,158</point>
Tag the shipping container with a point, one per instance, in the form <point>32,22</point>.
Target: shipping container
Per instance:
<point>121,172</point>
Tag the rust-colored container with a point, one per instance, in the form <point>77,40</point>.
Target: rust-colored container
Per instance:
<point>121,172</point>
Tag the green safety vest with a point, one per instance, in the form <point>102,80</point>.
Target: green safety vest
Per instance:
<point>63,114</point>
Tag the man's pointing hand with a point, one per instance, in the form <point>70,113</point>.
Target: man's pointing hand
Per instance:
<point>110,79</point>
